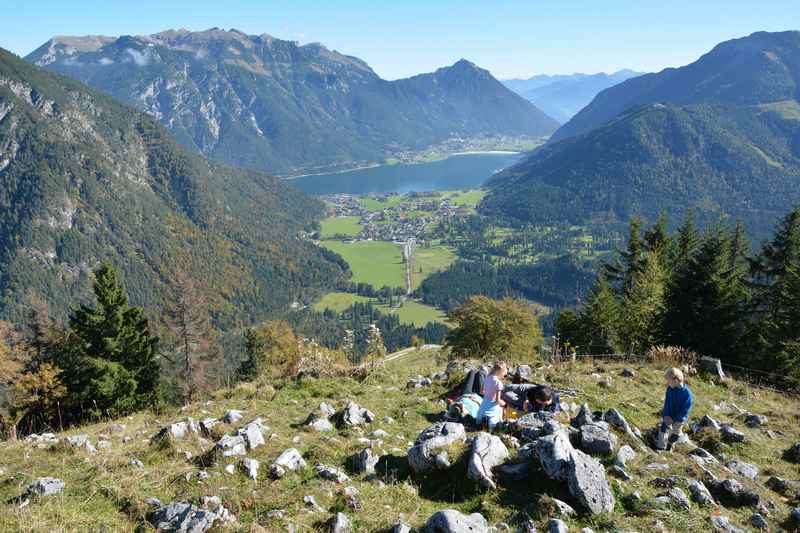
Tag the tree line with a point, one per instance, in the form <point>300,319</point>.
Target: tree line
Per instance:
<point>702,290</point>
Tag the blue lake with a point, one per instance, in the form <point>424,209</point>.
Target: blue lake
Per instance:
<point>466,171</point>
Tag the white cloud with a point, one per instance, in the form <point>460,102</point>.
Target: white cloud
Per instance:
<point>141,59</point>
<point>106,61</point>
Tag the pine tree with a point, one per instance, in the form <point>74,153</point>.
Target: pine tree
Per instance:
<point>629,262</point>
<point>600,319</point>
<point>119,358</point>
<point>193,336</point>
<point>644,305</point>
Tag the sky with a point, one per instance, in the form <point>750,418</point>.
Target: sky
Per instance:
<point>400,38</point>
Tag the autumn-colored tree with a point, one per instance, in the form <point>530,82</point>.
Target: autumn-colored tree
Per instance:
<point>489,328</point>
<point>37,396</point>
<point>271,349</point>
<point>194,340</point>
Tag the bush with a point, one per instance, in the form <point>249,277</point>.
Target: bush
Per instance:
<point>671,356</point>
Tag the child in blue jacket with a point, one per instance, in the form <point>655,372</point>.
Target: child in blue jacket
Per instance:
<point>677,405</point>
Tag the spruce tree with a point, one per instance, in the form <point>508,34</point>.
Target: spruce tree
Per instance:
<point>644,305</point>
<point>628,262</point>
<point>600,318</point>
<point>119,356</point>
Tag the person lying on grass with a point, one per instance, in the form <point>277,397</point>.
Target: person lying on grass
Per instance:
<point>491,409</point>
<point>677,406</point>
<point>541,398</point>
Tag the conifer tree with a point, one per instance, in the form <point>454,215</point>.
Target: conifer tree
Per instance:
<point>119,367</point>
<point>644,305</point>
<point>628,262</point>
<point>600,318</point>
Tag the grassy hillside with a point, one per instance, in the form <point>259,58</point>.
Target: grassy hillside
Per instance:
<point>105,491</point>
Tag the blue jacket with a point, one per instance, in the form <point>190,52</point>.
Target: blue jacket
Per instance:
<point>678,403</point>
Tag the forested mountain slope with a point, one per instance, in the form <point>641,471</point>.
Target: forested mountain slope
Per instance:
<point>85,179</point>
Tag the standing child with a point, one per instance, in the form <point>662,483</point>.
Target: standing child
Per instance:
<point>677,405</point>
<point>491,408</point>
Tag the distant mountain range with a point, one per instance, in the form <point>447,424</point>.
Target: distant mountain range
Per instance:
<point>268,104</point>
<point>561,96</point>
<point>85,179</point>
<point>720,136</point>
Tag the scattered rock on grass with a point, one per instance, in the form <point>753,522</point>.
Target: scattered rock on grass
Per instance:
<point>289,460</point>
<point>253,433</point>
<point>250,467</point>
<point>557,526</point>
<point>452,521</point>
<point>331,474</point>
<point>354,415</point>
<point>747,470</point>
<point>427,453</point>
<point>723,523</point>
<point>700,493</point>
<point>45,486</point>
<point>340,524</point>
<point>624,454</point>
<point>730,434</point>
<point>487,452</point>
<point>364,462</point>
<point>232,416</point>
<point>759,522</point>
<point>183,517</point>
<point>597,439</point>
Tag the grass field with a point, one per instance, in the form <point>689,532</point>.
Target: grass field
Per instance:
<point>429,260</point>
<point>372,204</point>
<point>375,262</point>
<point>470,198</point>
<point>418,314</point>
<point>340,226</point>
<point>339,301</point>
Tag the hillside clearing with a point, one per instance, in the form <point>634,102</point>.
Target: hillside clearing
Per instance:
<point>378,263</point>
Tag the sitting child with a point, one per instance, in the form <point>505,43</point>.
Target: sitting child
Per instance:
<point>677,405</point>
<point>542,398</point>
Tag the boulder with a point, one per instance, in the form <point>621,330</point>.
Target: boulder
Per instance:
<point>704,454</point>
<point>531,426</point>
<point>723,523</point>
<point>289,460</point>
<point>354,415</point>
<point>426,454</point>
<point>708,422</point>
<point>615,419</point>
<point>793,453</point>
<point>583,417</point>
<point>183,517</point>
<point>321,425</point>
<point>627,373</point>
<point>759,522</point>
<point>554,525</point>
<point>754,421</point>
<point>729,434</point>
<point>620,473</point>
<point>700,493</point>
<point>784,487</point>
<point>45,486</point>
<point>177,430</point>
<point>562,508</point>
<point>732,492</point>
<point>452,521</point>
<point>524,373</point>
<point>678,497</point>
<point>250,467</point>
<point>597,439</point>
<point>340,524</point>
<point>253,433</point>
<point>311,502</point>
<point>364,462</point>
<point>712,366</point>
<point>331,474</point>
<point>747,470</point>
<point>232,416</point>
<point>231,445</point>
<point>487,452</point>
<point>585,476</point>
<point>624,454</point>
<point>79,442</point>
<point>401,527</point>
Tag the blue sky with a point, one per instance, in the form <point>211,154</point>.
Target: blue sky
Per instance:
<point>400,38</point>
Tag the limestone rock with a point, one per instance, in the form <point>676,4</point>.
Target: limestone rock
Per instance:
<point>597,439</point>
<point>583,417</point>
<point>231,445</point>
<point>250,467</point>
<point>183,517</point>
<point>747,470</point>
<point>253,433</point>
<point>557,526</point>
<point>452,521</point>
<point>321,425</point>
<point>563,508</point>
<point>79,442</point>
<point>700,493</point>
<point>354,415</point>
<point>289,460</point>
<point>754,421</point>
<point>340,524</point>
<point>177,430</point>
<point>624,454</point>
<point>723,523</point>
<point>487,452</point>
<point>364,462</point>
<point>232,416</point>
<point>45,486</point>
<point>331,474</point>
<point>759,522</point>
<point>712,366</point>
<point>426,453</point>
<point>730,434</point>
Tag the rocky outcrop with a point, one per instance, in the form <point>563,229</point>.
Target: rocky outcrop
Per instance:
<point>177,430</point>
<point>364,462</point>
<point>331,474</point>
<point>597,439</point>
<point>354,415</point>
<point>585,476</point>
<point>253,433</point>
<point>183,517</point>
<point>486,453</point>
<point>428,452</point>
<point>713,366</point>
<point>288,461</point>
<point>45,486</point>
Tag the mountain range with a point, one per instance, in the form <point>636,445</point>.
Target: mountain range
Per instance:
<point>562,95</point>
<point>259,102</point>
<point>84,179</point>
<point>720,137</point>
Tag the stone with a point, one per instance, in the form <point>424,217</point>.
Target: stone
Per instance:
<point>401,527</point>
<point>563,508</point>
<point>177,430</point>
<point>583,417</point>
<point>326,409</point>
<point>620,473</point>
<point>137,463</point>
<point>585,476</point>
<point>729,434</point>
<point>354,415</point>
<point>628,373</point>
<point>331,474</point>
<point>700,493</point>
<point>207,424</point>
<point>289,460</point>
<point>452,521</point>
<point>732,492</point>
<point>514,471</point>
<point>554,525</point>
<point>597,439</point>
<point>784,487</point>
<point>426,454</point>
<point>79,442</point>
<point>231,445</point>
<point>624,454</point>
<point>723,523</point>
<point>615,419</point>
<point>754,421</point>
<point>708,422</point>
<point>340,524</point>
<point>704,454</point>
<point>713,366</point>
<point>379,434</point>
<point>232,416</point>
<point>45,486</point>
<point>250,467</point>
<point>793,453</point>
<point>759,522</point>
<point>364,462</point>
<point>310,501</point>
<point>183,517</point>
<point>531,426</point>
<point>486,453</point>
<point>321,425</point>
<point>230,469</point>
<point>524,373</point>
<point>747,470</point>
<point>253,434</point>
<point>678,497</point>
